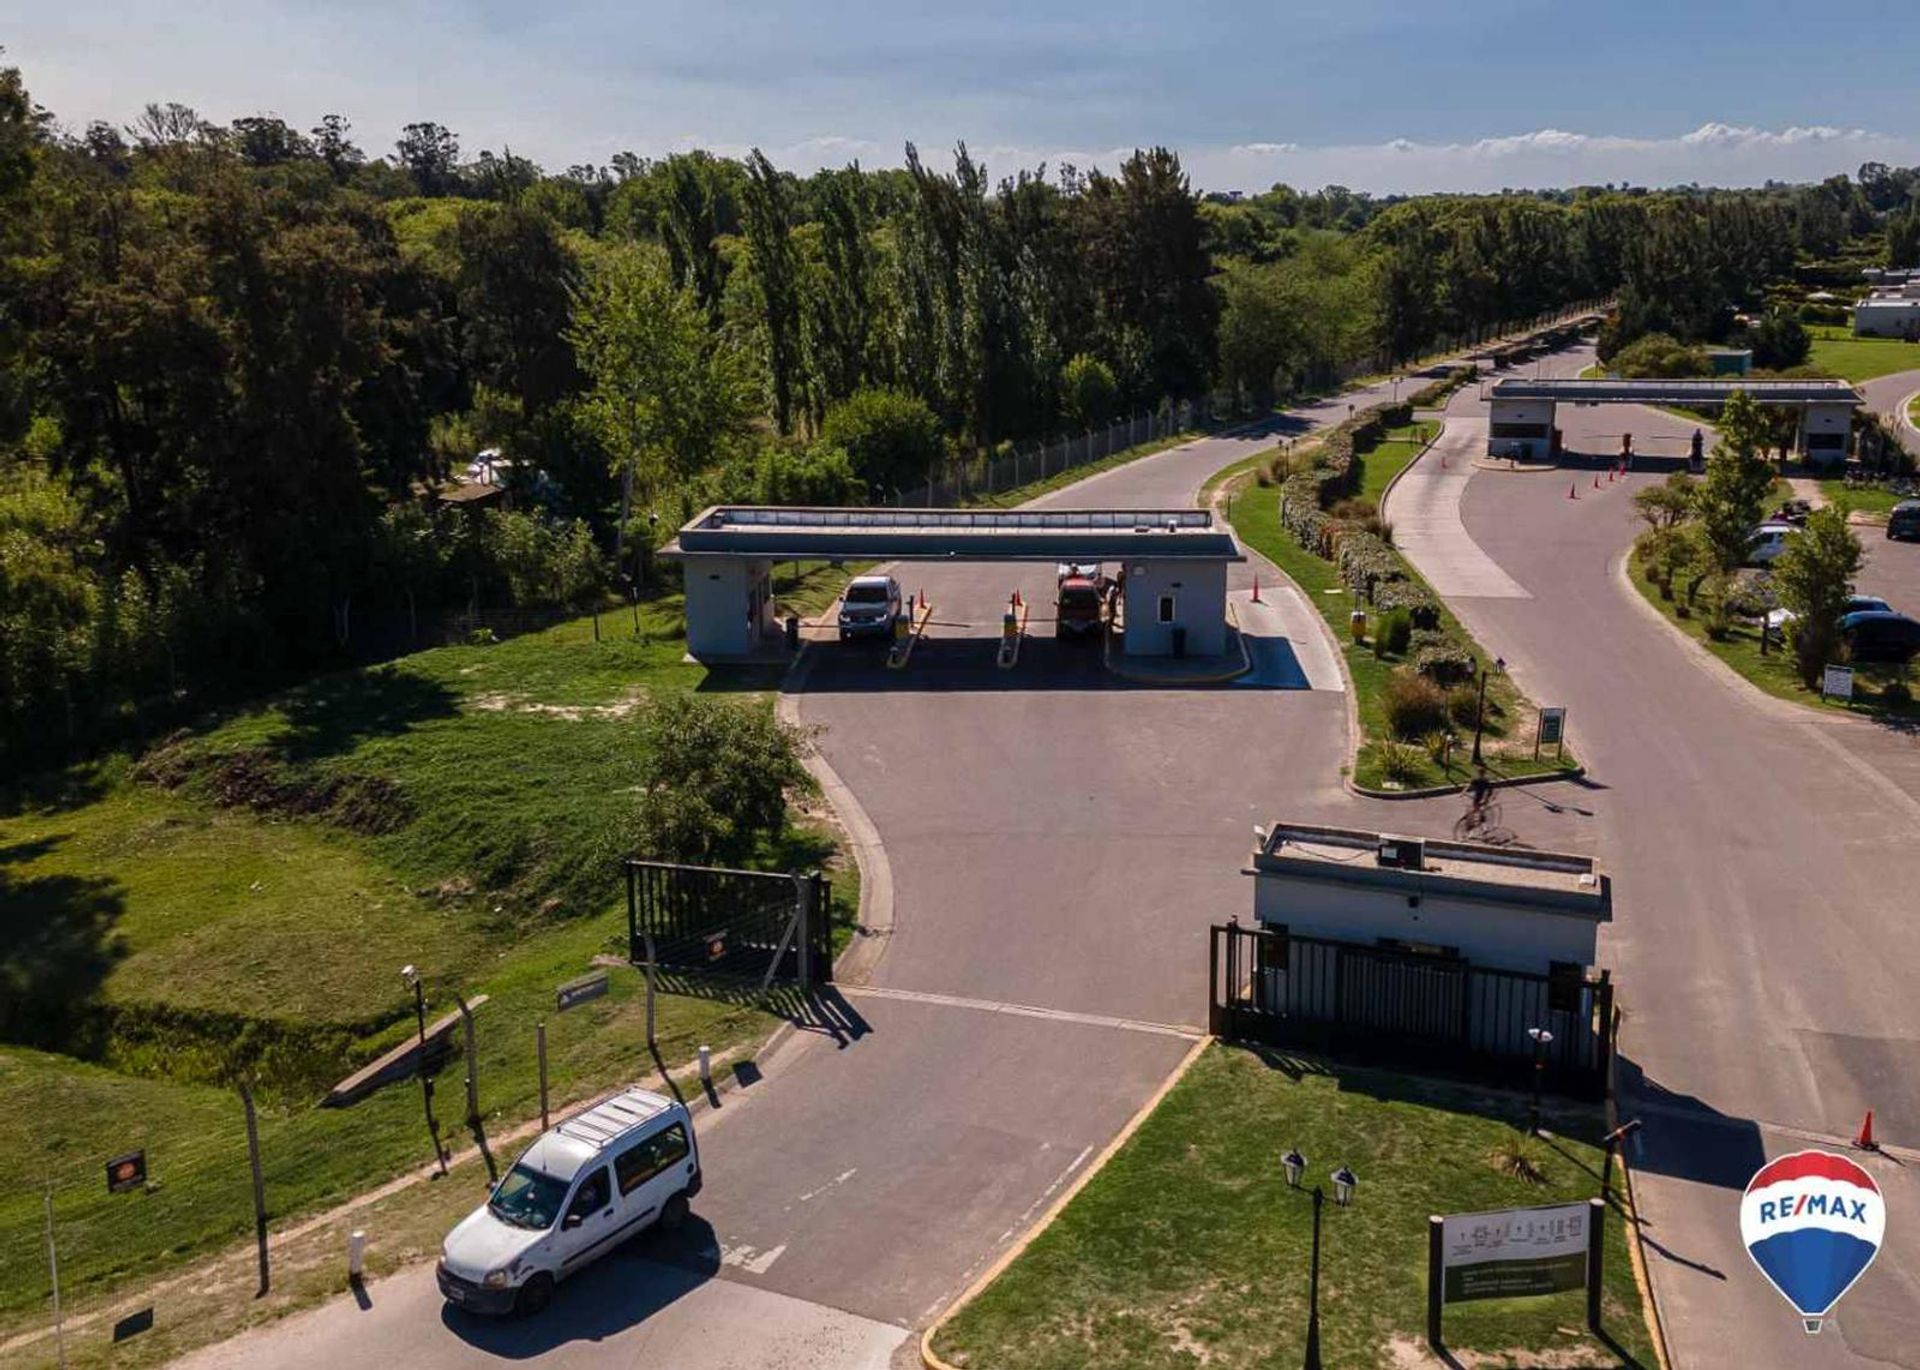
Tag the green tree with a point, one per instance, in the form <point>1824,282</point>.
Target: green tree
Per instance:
<point>1779,341</point>
<point>1813,577</point>
<point>1668,504</point>
<point>1733,496</point>
<point>515,292</point>
<point>1658,356</point>
<point>1088,391</point>
<point>893,438</point>
<point>664,394</point>
<point>776,268</point>
<point>714,779</point>
<point>430,154</point>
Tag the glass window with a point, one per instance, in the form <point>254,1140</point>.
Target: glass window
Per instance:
<point>642,1161</point>
<point>593,1195</point>
<point>1166,608</point>
<point>866,594</point>
<point>527,1198</point>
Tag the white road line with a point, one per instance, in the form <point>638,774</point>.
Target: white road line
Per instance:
<point>752,1261</point>
<point>1058,1015</point>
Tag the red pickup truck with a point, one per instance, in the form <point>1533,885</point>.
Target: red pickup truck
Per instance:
<point>1079,601</point>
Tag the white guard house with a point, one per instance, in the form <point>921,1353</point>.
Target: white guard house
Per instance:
<point>1508,908</point>
<point>1173,563</point>
<point>1521,424</point>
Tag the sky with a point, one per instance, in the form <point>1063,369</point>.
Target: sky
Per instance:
<point>1378,95</point>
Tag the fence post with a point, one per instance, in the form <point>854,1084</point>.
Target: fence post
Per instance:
<point>540,1050</point>
<point>803,893</point>
<point>259,1186</point>
<point>53,1273</point>
<point>1596,1253</point>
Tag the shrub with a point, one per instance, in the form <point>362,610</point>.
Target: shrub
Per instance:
<point>1896,692</point>
<point>1400,762</point>
<point>715,778</point>
<point>1422,609</point>
<point>1444,663</point>
<point>1396,631</point>
<point>1365,561</point>
<point>1414,706</point>
<point>1463,705</point>
<point>892,437</point>
<point>1088,391</point>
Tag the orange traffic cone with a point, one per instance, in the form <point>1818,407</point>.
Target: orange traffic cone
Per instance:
<point>1596,480</point>
<point>1572,493</point>
<point>1865,1140</point>
<point>1256,589</point>
<point>1016,597</point>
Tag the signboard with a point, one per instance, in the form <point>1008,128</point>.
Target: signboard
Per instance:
<point>1837,683</point>
<point>580,991</point>
<point>1552,731</point>
<point>127,1172</point>
<point>1519,1252</point>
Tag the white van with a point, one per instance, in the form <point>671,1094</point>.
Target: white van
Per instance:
<point>576,1193</point>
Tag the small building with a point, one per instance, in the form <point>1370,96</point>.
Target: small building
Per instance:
<point>1730,361</point>
<point>1522,412</point>
<point>1508,908</point>
<point>1888,316</point>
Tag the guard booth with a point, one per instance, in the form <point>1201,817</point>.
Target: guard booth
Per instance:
<point>1522,413</point>
<point>1173,563</point>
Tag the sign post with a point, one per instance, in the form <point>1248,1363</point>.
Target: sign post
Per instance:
<point>1514,1253</point>
<point>1552,731</point>
<point>1837,683</point>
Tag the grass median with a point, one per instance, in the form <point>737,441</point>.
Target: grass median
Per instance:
<point>1510,718</point>
<point>1188,1247</point>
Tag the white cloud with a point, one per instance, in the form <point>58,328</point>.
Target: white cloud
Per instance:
<point>1712,154</point>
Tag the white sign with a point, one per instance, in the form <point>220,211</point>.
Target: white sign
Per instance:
<point>1838,683</point>
<point>1517,1251</point>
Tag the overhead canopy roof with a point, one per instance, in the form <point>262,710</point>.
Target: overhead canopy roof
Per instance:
<point>1677,392</point>
<point>1078,535</point>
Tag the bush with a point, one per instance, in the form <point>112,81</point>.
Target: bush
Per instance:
<point>1088,391</point>
<point>1659,357</point>
<point>1414,706</point>
<point>1396,631</point>
<point>1463,705</point>
<point>892,437</point>
<point>1422,609</point>
<point>1400,762</point>
<point>1444,663</point>
<point>714,780</point>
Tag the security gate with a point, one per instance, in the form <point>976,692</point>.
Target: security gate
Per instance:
<point>756,924</point>
<point>1415,1008</point>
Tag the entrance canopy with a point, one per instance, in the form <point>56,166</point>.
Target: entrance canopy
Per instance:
<point>1071,535</point>
<point>1686,392</point>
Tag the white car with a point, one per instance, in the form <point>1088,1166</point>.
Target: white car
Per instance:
<point>1768,541</point>
<point>580,1190</point>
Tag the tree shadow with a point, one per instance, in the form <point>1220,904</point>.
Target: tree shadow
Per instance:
<point>332,716</point>
<point>55,791</point>
<point>57,946</point>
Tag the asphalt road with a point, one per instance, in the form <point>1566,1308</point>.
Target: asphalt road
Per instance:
<point>1764,863</point>
<point>1059,841</point>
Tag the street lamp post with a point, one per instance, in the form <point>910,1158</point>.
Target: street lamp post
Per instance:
<point>1480,711</point>
<point>1542,1039</point>
<point>412,977</point>
<point>1313,1288</point>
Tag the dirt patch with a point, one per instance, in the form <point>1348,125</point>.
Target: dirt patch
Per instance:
<point>258,779</point>
<point>1410,1353</point>
<point>502,702</point>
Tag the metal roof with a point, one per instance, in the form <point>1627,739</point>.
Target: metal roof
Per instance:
<point>1677,392</point>
<point>1054,535</point>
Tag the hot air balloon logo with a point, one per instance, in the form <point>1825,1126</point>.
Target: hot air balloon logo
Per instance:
<point>1812,1222</point>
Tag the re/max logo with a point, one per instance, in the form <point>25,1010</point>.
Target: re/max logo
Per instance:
<point>1814,1205</point>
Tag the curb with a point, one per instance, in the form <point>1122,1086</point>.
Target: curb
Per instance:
<point>1434,791</point>
<point>931,1359</point>
<point>1217,678</point>
<point>1642,1276</point>
<point>1507,468</point>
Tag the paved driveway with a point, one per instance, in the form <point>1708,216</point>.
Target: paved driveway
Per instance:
<point>1764,860</point>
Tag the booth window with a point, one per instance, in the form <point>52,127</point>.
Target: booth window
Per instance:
<point>1166,608</point>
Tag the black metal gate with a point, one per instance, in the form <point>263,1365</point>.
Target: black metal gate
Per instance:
<point>1425,1009</point>
<point>741,923</point>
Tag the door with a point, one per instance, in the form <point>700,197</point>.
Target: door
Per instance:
<point>590,1221</point>
<point>651,1171</point>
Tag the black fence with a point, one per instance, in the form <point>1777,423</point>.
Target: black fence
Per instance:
<point>1419,1009</point>
<point>729,922</point>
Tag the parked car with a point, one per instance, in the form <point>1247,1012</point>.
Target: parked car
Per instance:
<point>1855,604</point>
<point>1079,600</point>
<point>1904,520</point>
<point>1794,511</point>
<point>1880,635</point>
<point>1768,541</point>
<point>581,1189</point>
<point>869,606</point>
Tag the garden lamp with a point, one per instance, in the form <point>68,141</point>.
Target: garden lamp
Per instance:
<point>1295,1165</point>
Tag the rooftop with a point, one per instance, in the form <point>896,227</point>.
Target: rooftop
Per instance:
<point>1677,391</point>
<point>1054,535</point>
<point>563,1150</point>
<point>1552,882</point>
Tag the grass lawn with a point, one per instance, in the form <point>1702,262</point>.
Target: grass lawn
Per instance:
<point>1188,1247</point>
<point>1773,672</point>
<point>1835,349</point>
<point>499,777</point>
<point>1508,744</point>
<point>1874,501</point>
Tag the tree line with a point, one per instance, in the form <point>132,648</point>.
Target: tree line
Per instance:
<point>238,362</point>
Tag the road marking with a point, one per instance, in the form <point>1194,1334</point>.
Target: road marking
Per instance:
<point>1058,1015</point>
<point>752,1261</point>
<point>834,1183</point>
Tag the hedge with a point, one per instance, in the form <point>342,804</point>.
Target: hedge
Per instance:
<point>1429,396</point>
